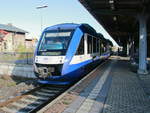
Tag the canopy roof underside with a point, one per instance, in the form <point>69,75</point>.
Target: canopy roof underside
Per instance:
<point>119,17</point>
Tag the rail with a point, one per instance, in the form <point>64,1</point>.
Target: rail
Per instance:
<point>33,100</point>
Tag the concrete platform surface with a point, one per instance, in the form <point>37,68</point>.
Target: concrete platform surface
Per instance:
<point>117,90</point>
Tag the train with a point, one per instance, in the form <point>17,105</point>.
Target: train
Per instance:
<point>67,52</point>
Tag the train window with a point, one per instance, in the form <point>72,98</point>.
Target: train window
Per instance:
<point>94,45</point>
<point>80,50</point>
<point>104,47</point>
<point>100,46</point>
<point>54,43</point>
<point>97,45</point>
<point>89,41</point>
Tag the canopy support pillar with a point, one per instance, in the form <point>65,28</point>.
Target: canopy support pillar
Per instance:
<point>142,69</point>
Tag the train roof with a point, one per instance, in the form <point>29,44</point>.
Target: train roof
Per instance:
<point>101,36</point>
<point>88,29</point>
<point>64,26</point>
<point>71,26</point>
<point>104,39</point>
<point>110,42</point>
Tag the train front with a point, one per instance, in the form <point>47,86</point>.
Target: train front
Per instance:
<point>50,55</point>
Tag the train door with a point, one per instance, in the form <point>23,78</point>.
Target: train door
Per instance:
<point>89,47</point>
<point>78,58</point>
<point>80,53</point>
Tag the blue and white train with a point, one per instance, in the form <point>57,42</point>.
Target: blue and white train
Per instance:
<point>66,52</point>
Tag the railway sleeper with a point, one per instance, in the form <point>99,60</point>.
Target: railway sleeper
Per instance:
<point>43,93</point>
<point>38,97</point>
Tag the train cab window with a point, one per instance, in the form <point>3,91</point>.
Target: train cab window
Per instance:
<point>54,43</point>
<point>94,45</point>
<point>89,43</point>
<point>80,50</point>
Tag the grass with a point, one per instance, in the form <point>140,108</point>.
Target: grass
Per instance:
<point>15,56</point>
<point>66,102</point>
<point>20,53</point>
<point>9,84</point>
<point>6,81</point>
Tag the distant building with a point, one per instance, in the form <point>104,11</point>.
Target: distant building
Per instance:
<point>30,43</point>
<point>11,37</point>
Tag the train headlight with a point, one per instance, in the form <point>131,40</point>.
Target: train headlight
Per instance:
<point>36,59</point>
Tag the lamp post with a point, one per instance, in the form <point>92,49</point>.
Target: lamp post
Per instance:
<point>41,7</point>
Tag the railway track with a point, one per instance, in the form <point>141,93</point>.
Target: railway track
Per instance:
<point>33,100</point>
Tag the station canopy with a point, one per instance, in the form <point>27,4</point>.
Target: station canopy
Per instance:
<point>119,17</point>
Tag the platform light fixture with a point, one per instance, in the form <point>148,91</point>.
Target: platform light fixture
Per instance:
<point>115,18</point>
<point>111,1</point>
<point>40,8</point>
<point>112,6</point>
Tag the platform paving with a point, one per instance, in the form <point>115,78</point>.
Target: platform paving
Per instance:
<point>126,95</point>
<point>118,90</point>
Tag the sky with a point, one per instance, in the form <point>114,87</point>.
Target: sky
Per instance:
<point>25,15</point>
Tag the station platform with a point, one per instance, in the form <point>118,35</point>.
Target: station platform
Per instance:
<point>114,89</point>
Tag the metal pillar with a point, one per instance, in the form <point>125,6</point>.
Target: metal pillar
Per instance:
<point>142,45</point>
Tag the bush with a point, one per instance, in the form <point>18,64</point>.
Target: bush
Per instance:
<point>22,48</point>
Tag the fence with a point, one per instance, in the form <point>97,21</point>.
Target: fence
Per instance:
<point>16,58</point>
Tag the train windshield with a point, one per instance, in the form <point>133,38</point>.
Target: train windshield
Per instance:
<point>54,43</point>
